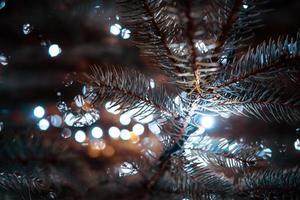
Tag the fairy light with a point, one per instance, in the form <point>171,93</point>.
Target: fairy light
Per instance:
<point>97,132</point>
<point>297,145</point>
<point>114,132</point>
<point>39,112</point>
<point>115,29</point>
<point>54,50</point>
<point>138,129</point>
<point>43,124</point>
<point>207,121</point>
<point>80,136</point>
<point>125,134</point>
<point>125,119</point>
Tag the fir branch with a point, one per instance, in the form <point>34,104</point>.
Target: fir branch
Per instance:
<point>271,183</point>
<point>263,62</point>
<point>130,90</point>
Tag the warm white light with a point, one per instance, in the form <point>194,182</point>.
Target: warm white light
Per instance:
<point>112,109</point>
<point>97,132</point>
<point>39,111</point>
<point>154,128</point>
<point>43,124</point>
<point>115,29</point>
<point>125,119</point>
<point>114,132</point>
<point>54,50</point>
<point>207,121</point>
<point>125,134</point>
<point>138,129</point>
<point>80,136</point>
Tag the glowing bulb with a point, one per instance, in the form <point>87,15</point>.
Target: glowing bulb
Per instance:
<point>297,144</point>
<point>207,121</point>
<point>245,6</point>
<point>97,132</point>
<point>115,29</point>
<point>125,134</point>
<point>152,83</point>
<point>125,119</point>
<point>125,33</point>
<point>43,124</point>
<point>138,129</point>
<point>54,50</point>
<point>201,46</point>
<point>114,132</point>
<point>80,136</point>
<point>39,111</point>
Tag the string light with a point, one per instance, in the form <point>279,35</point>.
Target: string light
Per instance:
<point>138,129</point>
<point>115,29</point>
<point>125,119</point>
<point>54,50</point>
<point>97,132</point>
<point>39,112</point>
<point>80,136</point>
<point>207,121</point>
<point>125,134</point>
<point>114,132</point>
<point>43,124</point>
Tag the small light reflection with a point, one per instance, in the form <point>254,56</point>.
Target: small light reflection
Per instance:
<point>125,34</point>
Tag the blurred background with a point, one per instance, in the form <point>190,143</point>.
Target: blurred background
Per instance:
<point>45,45</point>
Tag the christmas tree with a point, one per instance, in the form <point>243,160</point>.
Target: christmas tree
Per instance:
<point>167,71</point>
